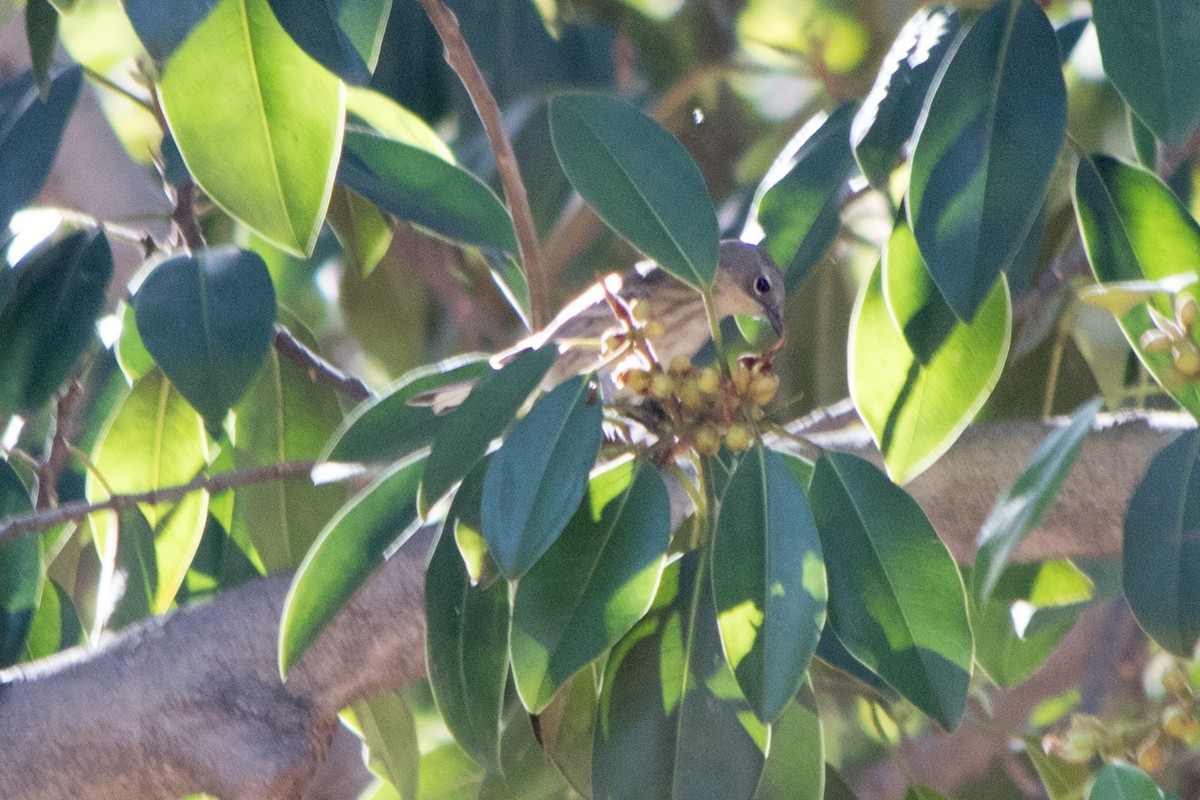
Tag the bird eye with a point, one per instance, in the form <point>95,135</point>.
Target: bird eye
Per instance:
<point>762,284</point>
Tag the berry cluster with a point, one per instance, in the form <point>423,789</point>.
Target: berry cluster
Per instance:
<point>1176,337</point>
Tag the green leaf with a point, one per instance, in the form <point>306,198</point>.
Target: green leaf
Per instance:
<point>388,732</point>
<point>1161,557</point>
<point>20,571</point>
<point>916,411</point>
<point>395,121</point>
<point>41,31</point>
<point>234,80</point>
<point>913,302</point>
<point>361,228</point>
<point>345,554</point>
<point>798,204</point>
<point>768,581</point>
<point>208,319</point>
<point>1069,34</point>
<point>153,439</point>
<point>568,727</point>
<point>671,722</point>
<point>1146,52</point>
<point>889,114</point>
<point>640,180</point>
<point>1120,781</point>
<point>466,648</point>
<point>342,35</point>
<point>468,430</point>
<point>55,624</point>
<point>922,793</point>
<point>1047,595</point>
<point>48,315</point>
<point>593,584</point>
<point>1020,508</point>
<point>136,562</point>
<point>538,476</point>
<point>1062,779</point>
<point>1134,229</point>
<point>896,599</point>
<point>132,356</point>
<point>421,187</point>
<point>284,416</point>
<point>983,159</point>
<point>795,766</point>
<point>835,786</point>
<point>31,130</point>
<point>386,427</point>
<point>162,25</point>
<point>524,772</point>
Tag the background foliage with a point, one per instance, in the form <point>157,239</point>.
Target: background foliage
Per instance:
<point>982,211</point>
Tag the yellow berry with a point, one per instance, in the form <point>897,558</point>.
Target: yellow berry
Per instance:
<point>1185,311</point>
<point>738,437</point>
<point>654,329</point>
<point>1187,360</point>
<point>763,388</point>
<point>1153,757</point>
<point>611,341</point>
<point>1180,723</point>
<point>709,380</point>
<point>708,441</point>
<point>690,395</point>
<point>741,378</point>
<point>1153,340</point>
<point>637,380</point>
<point>680,364</point>
<point>661,386</point>
<point>1175,681</point>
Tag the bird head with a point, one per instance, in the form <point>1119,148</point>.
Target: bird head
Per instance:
<point>748,282</point>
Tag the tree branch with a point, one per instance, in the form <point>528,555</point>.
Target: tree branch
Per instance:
<point>43,519</point>
<point>319,370</point>
<point>459,57</point>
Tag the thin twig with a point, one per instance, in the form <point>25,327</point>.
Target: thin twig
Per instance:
<point>184,216</point>
<point>44,519</point>
<point>319,370</point>
<point>459,57</point>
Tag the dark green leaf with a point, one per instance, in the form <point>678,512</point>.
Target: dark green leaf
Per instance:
<point>896,599</point>
<point>30,132</point>
<point>671,723</point>
<point>640,180</point>
<point>420,187</point>
<point>162,25</point>
<point>234,79</point>
<point>916,411</point>
<point>49,316</point>
<point>1147,53</point>
<point>1048,595</point>
<point>831,650</point>
<point>1021,507</point>
<point>593,584</point>
<point>1161,557</point>
<point>1120,781</point>
<point>284,416</point>
<point>1069,34</point>
<point>888,117</point>
<point>984,156</point>
<point>467,651</point>
<point>342,35</point>
<point>1135,229</point>
<point>208,319</point>
<point>768,581</point>
<point>538,476</point>
<point>795,766</point>
<point>568,728</point>
<point>41,31</point>
<point>1063,780</point>
<point>386,427</point>
<point>20,571</point>
<point>525,773</point>
<point>465,435</point>
<point>798,204</point>
<point>55,624</point>
<point>1145,146</point>
<point>836,787</point>
<point>138,566</point>
<point>350,548</point>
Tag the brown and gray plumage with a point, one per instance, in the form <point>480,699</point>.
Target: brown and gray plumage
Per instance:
<point>747,282</point>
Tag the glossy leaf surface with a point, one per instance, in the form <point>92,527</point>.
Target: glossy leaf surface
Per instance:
<point>593,584</point>
<point>162,25</point>
<point>768,581</point>
<point>983,158</point>
<point>48,314</point>
<point>208,319</point>
<point>538,476</point>
<point>1146,51</point>
<point>1161,558</point>
<point>640,180</point>
<point>1121,781</point>
<point>423,188</point>
<point>896,599</point>
<point>234,79</point>
<point>342,35</point>
<point>795,766</point>
<point>345,554</point>
<point>916,411</point>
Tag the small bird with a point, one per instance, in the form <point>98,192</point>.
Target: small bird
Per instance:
<point>747,282</point>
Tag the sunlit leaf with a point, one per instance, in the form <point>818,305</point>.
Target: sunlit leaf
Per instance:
<point>342,35</point>
<point>389,735</point>
<point>795,766</point>
<point>1063,780</point>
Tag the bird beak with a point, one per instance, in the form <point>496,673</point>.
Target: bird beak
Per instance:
<point>775,317</point>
